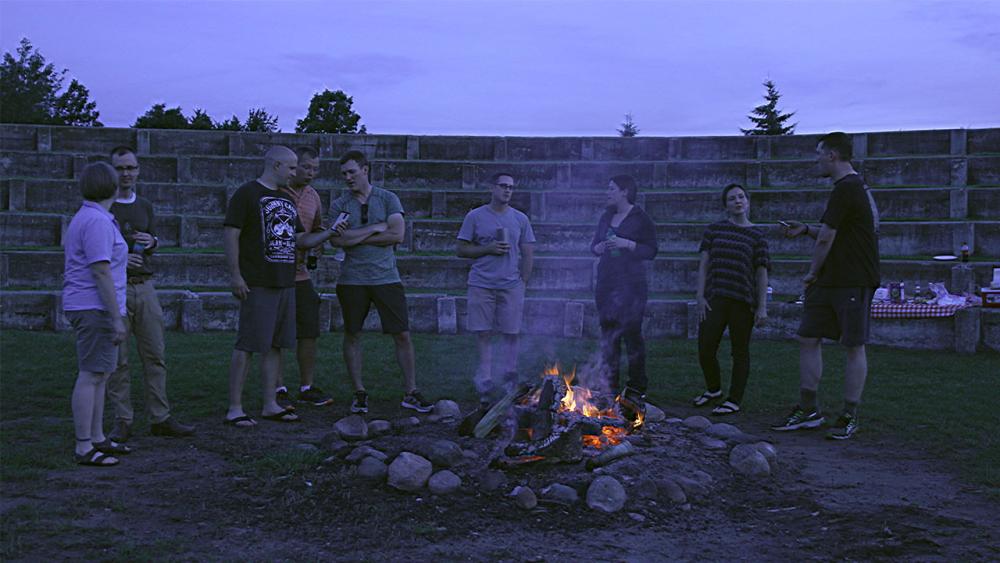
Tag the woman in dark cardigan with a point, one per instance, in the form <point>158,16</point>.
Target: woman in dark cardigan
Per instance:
<point>625,240</point>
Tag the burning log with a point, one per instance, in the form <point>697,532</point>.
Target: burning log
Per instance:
<point>492,417</point>
<point>563,445</point>
<point>611,454</point>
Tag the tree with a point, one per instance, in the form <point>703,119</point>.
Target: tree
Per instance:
<point>629,128</point>
<point>201,120</point>
<point>767,119</point>
<point>159,117</point>
<point>30,92</point>
<point>259,120</point>
<point>231,124</point>
<point>330,112</point>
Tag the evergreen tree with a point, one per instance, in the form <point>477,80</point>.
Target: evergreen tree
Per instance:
<point>259,120</point>
<point>767,119</point>
<point>159,117</point>
<point>201,120</point>
<point>330,112</point>
<point>30,92</point>
<point>231,124</point>
<point>629,128</point>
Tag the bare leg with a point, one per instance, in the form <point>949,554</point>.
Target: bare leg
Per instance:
<point>306,354</point>
<point>352,358</point>
<point>238,367</point>
<point>407,363</point>
<point>280,379</point>
<point>511,349</point>
<point>855,373</point>
<point>97,422</point>
<point>810,371</point>
<point>83,409</point>
<point>269,362</point>
<point>484,373</point>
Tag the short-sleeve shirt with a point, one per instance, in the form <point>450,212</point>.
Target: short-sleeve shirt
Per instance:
<point>853,260</point>
<point>308,205</point>
<point>367,264</point>
<point>92,236</point>
<point>480,228</point>
<point>734,254</point>
<point>132,217</point>
<point>268,221</point>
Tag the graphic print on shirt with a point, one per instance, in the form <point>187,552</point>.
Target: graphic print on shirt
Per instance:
<point>277,226</point>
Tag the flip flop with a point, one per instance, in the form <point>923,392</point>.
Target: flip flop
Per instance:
<point>240,422</point>
<point>282,416</point>
<point>728,407</point>
<point>95,458</point>
<point>705,398</point>
<point>110,447</point>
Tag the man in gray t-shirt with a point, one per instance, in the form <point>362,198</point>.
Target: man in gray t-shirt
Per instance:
<point>369,275</point>
<point>500,241</point>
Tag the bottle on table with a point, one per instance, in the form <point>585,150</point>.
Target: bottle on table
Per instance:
<point>965,252</point>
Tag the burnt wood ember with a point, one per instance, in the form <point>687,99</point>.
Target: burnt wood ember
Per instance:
<point>611,454</point>
<point>562,445</point>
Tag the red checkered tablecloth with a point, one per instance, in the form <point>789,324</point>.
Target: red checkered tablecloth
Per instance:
<point>885,310</point>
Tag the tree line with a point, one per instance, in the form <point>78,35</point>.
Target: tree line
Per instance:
<point>32,91</point>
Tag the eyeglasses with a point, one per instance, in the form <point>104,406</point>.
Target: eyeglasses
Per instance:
<point>364,213</point>
<point>126,168</point>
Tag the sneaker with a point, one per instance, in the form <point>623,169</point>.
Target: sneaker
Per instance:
<point>360,403</point>
<point>170,427</point>
<point>315,396</point>
<point>844,428</point>
<point>414,400</point>
<point>121,432</point>
<point>798,419</point>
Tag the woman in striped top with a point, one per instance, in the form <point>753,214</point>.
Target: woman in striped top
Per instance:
<point>732,291</point>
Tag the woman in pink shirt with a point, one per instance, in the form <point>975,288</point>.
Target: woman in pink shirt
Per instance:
<point>94,303</point>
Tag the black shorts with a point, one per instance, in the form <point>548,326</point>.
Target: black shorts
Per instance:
<point>306,310</point>
<point>837,313</point>
<point>267,319</point>
<point>389,299</point>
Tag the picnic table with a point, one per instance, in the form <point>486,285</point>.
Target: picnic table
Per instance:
<point>888,310</point>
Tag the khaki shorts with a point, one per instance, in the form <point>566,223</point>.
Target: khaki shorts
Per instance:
<point>495,309</point>
<point>95,350</point>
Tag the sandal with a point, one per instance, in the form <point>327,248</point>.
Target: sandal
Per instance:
<point>725,408</point>
<point>110,447</point>
<point>96,459</point>
<point>706,397</point>
<point>240,422</point>
<point>284,415</point>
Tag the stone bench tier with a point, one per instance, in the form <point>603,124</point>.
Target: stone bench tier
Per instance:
<point>670,275</point>
<point>904,238</point>
<point>542,175</point>
<point>430,313</point>
<point>62,196</point>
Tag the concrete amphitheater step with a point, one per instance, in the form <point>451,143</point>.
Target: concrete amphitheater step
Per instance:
<point>433,313</point>
<point>669,274</point>
<point>542,175</point>
<point>62,196</point>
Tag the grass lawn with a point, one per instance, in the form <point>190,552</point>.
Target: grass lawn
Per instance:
<point>936,401</point>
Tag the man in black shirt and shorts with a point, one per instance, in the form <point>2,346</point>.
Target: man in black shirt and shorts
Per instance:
<point>839,287</point>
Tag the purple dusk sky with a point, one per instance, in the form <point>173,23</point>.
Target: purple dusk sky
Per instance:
<point>542,67</point>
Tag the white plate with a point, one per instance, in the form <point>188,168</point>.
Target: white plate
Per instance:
<point>946,257</point>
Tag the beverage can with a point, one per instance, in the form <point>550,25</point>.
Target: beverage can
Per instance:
<point>138,248</point>
<point>770,293</point>
<point>501,235</point>
<point>311,262</point>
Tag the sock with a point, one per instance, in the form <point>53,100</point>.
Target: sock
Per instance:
<point>807,400</point>
<point>304,388</point>
<point>851,408</point>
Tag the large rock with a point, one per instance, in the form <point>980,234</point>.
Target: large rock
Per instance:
<point>692,488</point>
<point>606,494</point>
<point>747,459</point>
<point>333,443</point>
<point>670,489</point>
<point>378,428</point>
<point>409,472</point>
<point>524,497</point>
<point>372,468</point>
<point>361,452</point>
<point>697,422</point>
<point>723,431</point>
<point>444,483</point>
<point>644,488</point>
<point>447,409</point>
<point>654,414</point>
<point>712,443</point>
<point>402,424</point>
<point>560,493</point>
<point>444,453</point>
<point>352,428</point>
<point>769,452</point>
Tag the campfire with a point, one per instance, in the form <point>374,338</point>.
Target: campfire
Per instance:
<point>561,420</point>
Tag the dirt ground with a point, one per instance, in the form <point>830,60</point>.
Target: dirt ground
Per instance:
<point>226,495</point>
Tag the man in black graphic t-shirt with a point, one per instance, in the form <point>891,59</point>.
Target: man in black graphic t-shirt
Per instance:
<point>262,230</point>
<point>842,278</point>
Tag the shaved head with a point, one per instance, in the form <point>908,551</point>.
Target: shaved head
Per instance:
<point>279,153</point>
<point>279,166</point>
